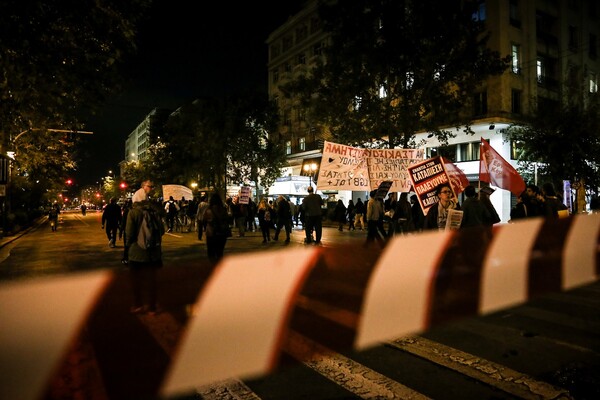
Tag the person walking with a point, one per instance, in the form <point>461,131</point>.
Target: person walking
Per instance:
<point>351,213</point>
<point>403,215</point>
<point>374,215</point>
<point>284,218</point>
<point>202,206</point>
<point>359,217</point>
<point>122,234</point>
<point>339,214</point>
<point>216,222</point>
<point>264,219</point>
<point>172,209</point>
<point>311,207</point>
<point>417,213</point>
<point>111,218</point>
<point>143,262</point>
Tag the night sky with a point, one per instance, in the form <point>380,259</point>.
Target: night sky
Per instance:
<point>185,52</point>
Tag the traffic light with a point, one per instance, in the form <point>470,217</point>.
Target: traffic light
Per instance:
<point>123,185</point>
<point>69,181</point>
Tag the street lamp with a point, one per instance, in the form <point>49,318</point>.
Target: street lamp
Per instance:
<point>310,168</point>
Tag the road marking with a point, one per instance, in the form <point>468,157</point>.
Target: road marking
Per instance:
<point>493,374</point>
<point>230,389</point>
<point>174,235</point>
<point>352,376</point>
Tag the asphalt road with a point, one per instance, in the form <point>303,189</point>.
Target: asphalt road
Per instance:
<point>546,348</point>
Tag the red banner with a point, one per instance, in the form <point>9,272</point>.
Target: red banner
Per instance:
<point>497,171</point>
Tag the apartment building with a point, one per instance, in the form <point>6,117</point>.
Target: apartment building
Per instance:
<point>138,141</point>
<point>553,46</point>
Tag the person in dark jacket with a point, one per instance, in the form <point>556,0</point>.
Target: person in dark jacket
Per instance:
<point>111,218</point>
<point>284,218</point>
<point>216,222</point>
<point>143,263</point>
<point>339,214</point>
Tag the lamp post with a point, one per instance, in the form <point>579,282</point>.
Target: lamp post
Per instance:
<point>310,169</point>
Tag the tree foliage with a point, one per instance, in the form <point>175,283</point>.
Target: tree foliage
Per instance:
<point>396,67</point>
<point>218,141</point>
<point>58,60</point>
<point>561,144</point>
<point>58,56</point>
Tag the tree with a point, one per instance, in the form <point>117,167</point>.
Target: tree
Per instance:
<point>215,141</point>
<point>58,60</point>
<point>60,56</point>
<point>561,144</point>
<point>393,68</point>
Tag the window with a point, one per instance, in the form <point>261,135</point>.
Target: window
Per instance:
<point>573,42</point>
<point>315,24</point>
<point>593,47</point>
<point>516,58</point>
<point>301,33</point>
<point>275,75</point>
<point>287,43</point>
<point>448,152</point>
<point>479,14</point>
<point>540,70</point>
<point>275,50</point>
<point>593,82</point>
<point>410,80</point>
<point>301,58</point>
<point>480,104</point>
<point>515,149</point>
<point>468,151</point>
<point>382,92</point>
<point>514,18</point>
<point>287,119</point>
<point>302,144</point>
<point>516,102</point>
<point>357,103</point>
<point>288,147</point>
<point>317,49</point>
<point>287,67</point>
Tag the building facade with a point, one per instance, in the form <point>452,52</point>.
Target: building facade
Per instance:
<point>553,46</point>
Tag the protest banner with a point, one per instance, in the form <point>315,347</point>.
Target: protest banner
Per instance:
<point>177,191</point>
<point>245,194</point>
<point>351,168</point>
<point>383,189</point>
<point>425,177</point>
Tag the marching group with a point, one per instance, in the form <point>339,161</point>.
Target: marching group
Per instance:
<point>214,218</point>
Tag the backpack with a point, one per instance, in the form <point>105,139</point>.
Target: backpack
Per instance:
<point>150,235</point>
<point>172,208</point>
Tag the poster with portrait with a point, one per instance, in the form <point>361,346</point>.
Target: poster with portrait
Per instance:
<point>425,177</point>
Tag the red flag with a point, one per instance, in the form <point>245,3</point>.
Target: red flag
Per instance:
<point>497,171</point>
<point>457,178</point>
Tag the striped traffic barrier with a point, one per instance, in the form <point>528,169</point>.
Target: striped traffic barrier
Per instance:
<point>240,318</point>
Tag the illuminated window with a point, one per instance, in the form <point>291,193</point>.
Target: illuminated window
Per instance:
<point>540,70</point>
<point>593,82</point>
<point>288,147</point>
<point>516,58</point>
<point>302,144</point>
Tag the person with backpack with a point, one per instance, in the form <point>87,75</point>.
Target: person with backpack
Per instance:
<point>143,236</point>
<point>216,222</point>
<point>172,209</point>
